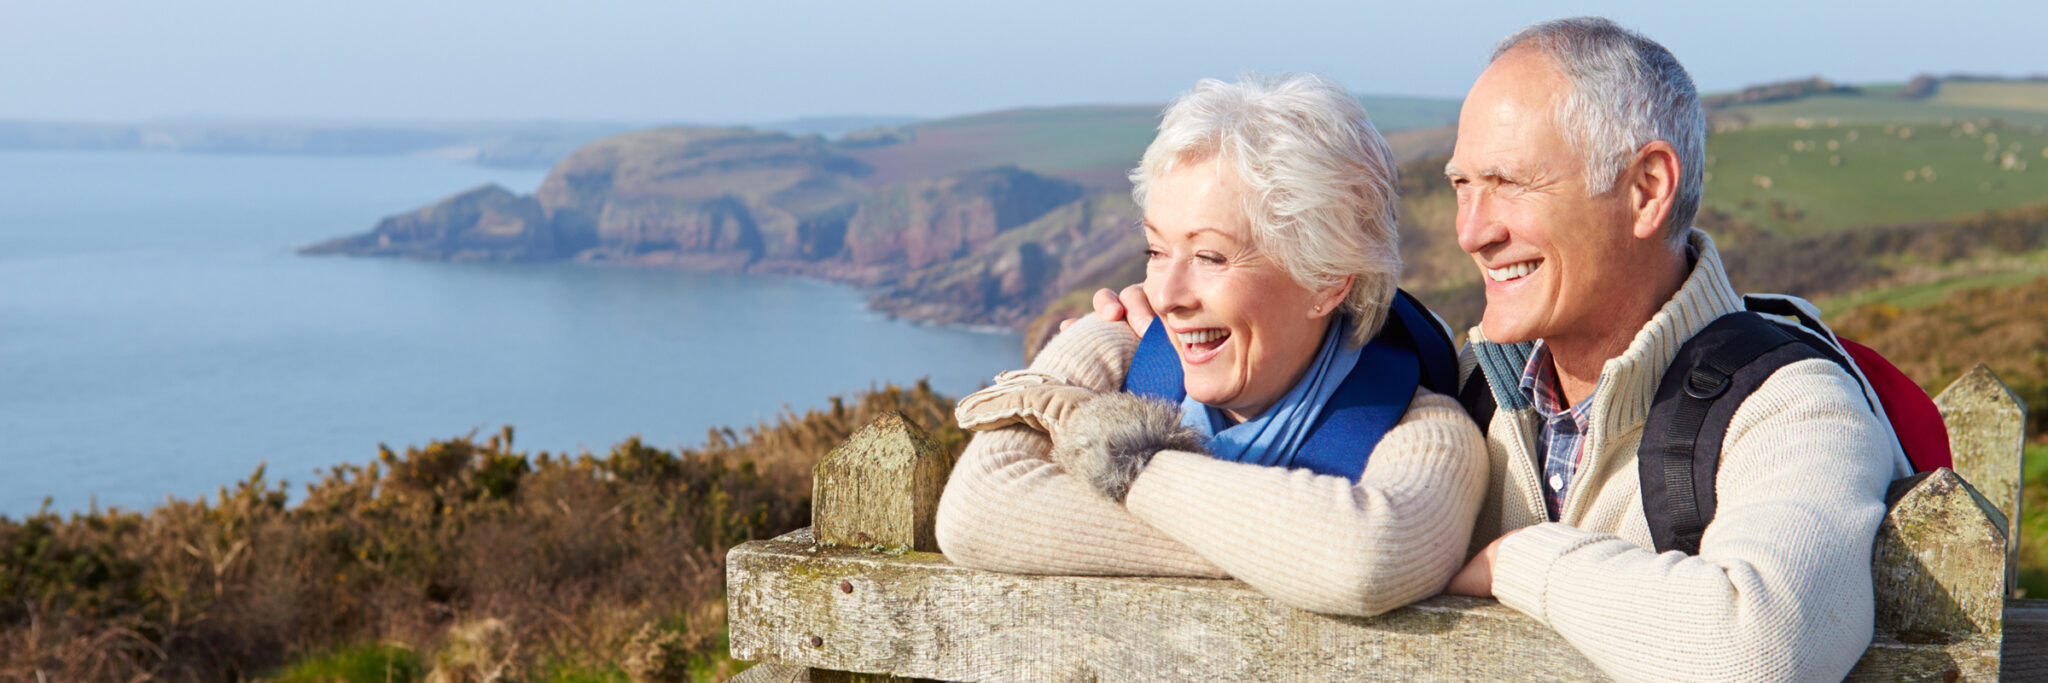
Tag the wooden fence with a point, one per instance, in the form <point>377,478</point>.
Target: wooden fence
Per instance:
<point>863,594</point>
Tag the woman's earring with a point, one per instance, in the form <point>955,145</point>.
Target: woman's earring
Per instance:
<point>1319,309</point>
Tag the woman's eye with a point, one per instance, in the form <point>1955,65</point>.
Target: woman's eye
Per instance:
<point>1211,258</point>
<point>1154,254</point>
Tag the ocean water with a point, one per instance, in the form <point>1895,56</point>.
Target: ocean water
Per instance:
<point>158,337</point>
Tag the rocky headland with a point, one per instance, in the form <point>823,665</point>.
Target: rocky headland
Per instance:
<point>982,246</point>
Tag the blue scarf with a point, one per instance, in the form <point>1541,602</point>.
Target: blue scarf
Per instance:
<point>1275,436</point>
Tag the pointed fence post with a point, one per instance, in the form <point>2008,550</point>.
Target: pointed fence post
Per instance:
<point>1939,564</point>
<point>880,488</point>
<point>1987,433</point>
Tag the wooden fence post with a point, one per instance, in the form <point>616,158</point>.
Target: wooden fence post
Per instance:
<point>1939,562</point>
<point>878,490</point>
<point>1987,433</point>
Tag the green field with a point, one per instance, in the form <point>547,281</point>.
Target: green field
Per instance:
<point>1094,145</point>
<point>2033,559</point>
<point>1830,162</point>
<point>2029,97</point>
<point>1822,178</point>
<point>2021,103</point>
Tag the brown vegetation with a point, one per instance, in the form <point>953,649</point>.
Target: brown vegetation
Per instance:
<point>498,562</point>
<point>1846,261</point>
<point>1999,326</point>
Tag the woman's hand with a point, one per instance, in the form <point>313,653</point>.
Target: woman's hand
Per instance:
<point>1130,306</point>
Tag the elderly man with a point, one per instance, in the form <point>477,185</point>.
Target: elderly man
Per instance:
<point>1578,169</point>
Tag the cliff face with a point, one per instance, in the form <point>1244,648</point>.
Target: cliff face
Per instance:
<point>733,192</point>
<point>924,223</point>
<point>734,198</point>
<point>1085,244</point>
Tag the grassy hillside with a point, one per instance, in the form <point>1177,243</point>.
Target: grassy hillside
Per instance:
<point>2017,102</point>
<point>1821,178</point>
<point>1084,144</point>
<point>1093,145</point>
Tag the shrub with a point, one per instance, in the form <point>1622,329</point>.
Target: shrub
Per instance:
<point>557,560</point>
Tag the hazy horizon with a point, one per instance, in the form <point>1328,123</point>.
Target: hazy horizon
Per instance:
<point>646,62</point>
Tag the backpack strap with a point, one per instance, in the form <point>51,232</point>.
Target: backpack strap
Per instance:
<point>1713,373</point>
<point>1409,320</point>
<point>1477,398</point>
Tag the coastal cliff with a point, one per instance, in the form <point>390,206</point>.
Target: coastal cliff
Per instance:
<point>984,246</point>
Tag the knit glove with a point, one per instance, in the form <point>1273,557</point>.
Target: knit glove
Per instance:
<point>1038,400</point>
<point>1107,440</point>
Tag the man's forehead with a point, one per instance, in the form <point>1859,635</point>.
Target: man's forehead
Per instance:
<point>1508,119</point>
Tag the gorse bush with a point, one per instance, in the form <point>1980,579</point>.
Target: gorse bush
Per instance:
<point>485,560</point>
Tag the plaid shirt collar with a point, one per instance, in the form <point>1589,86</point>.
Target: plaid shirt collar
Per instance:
<point>1562,432</point>
<point>1539,383</point>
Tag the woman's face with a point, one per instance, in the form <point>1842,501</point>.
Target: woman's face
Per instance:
<point>1245,331</point>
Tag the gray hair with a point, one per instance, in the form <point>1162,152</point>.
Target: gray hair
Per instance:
<point>1320,181</point>
<point>1626,91</point>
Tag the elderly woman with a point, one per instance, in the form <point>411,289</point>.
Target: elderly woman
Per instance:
<point>1284,420</point>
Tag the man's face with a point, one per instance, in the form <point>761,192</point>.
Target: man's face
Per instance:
<point>1550,256</point>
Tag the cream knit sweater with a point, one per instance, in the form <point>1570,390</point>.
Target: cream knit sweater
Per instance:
<point>1780,589</point>
<point>1316,542</point>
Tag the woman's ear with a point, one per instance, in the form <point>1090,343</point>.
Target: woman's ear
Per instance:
<point>1331,298</point>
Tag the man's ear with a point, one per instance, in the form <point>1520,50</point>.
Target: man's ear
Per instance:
<point>1331,298</point>
<point>1652,183</point>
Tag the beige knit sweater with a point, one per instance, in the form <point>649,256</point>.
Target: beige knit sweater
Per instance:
<point>1313,541</point>
<point>1780,589</point>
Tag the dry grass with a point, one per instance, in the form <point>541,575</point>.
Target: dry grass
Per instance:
<point>504,564</point>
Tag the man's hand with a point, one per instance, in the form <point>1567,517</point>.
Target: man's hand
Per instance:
<point>1130,306</point>
<point>1476,579</point>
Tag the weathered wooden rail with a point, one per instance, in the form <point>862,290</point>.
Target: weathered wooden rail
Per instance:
<point>863,594</point>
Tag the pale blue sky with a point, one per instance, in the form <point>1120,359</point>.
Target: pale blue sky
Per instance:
<point>642,60</point>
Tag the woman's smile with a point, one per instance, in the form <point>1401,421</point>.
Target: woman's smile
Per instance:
<point>1198,345</point>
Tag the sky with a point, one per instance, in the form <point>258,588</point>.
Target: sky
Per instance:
<point>775,60</point>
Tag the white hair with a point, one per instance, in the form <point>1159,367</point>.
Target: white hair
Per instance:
<point>1320,181</point>
<point>1626,91</point>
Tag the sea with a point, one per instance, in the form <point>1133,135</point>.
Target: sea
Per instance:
<point>159,338</point>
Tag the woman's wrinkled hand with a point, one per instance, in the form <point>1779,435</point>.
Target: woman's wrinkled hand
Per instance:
<point>1130,306</point>
<point>1108,440</point>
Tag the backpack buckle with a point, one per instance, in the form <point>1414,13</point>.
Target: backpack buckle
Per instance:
<point>1705,384</point>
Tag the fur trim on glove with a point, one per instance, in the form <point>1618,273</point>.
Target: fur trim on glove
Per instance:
<point>1107,440</point>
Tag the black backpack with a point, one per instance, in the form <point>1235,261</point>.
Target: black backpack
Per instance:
<point>1713,373</point>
